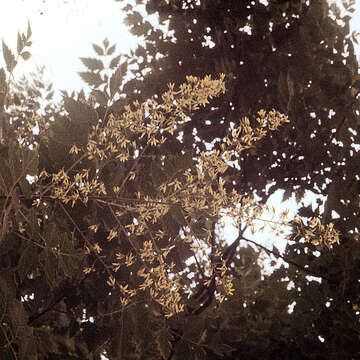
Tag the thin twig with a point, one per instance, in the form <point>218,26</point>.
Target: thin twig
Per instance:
<point>279,256</point>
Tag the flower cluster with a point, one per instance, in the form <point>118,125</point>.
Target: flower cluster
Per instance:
<point>316,233</point>
<point>192,195</point>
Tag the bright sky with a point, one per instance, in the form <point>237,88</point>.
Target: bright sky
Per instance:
<point>63,31</point>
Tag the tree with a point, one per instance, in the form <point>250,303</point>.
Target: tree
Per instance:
<point>96,241</point>
<point>86,234</point>
<point>298,58</point>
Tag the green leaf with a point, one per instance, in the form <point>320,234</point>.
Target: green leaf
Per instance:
<point>100,96</point>
<point>92,64</point>
<point>8,57</point>
<point>111,50</point>
<point>98,49</point>
<point>115,61</point>
<point>92,79</point>
<point>25,55</point>
<point>106,43</point>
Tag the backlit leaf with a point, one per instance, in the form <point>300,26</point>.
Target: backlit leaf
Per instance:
<point>111,50</point>
<point>117,78</point>
<point>92,79</point>
<point>20,43</point>
<point>92,63</point>
<point>98,49</point>
<point>100,96</point>
<point>8,57</point>
<point>106,43</point>
<point>115,61</point>
<point>29,32</point>
<point>25,55</point>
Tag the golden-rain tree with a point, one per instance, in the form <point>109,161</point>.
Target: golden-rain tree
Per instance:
<point>98,206</point>
<point>197,192</point>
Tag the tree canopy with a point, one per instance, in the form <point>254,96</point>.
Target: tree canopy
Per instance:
<point>111,204</point>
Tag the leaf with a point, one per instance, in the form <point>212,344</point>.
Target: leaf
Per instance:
<point>29,32</point>
<point>39,84</point>
<point>49,95</point>
<point>119,104</point>
<point>114,62</point>
<point>98,49</point>
<point>140,51</point>
<point>8,57</point>
<point>25,55</point>
<point>80,112</point>
<point>299,195</point>
<point>106,43</point>
<point>177,215</point>
<point>20,44</point>
<point>170,225</point>
<point>2,79</point>
<point>92,79</point>
<point>134,18</point>
<point>64,93</point>
<point>127,8</point>
<point>111,50</point>
<point>100,96</point>
<point>157,175</point>
<point>17,100</point>
<point>92,64</point>
<point>287,194</point>
<point>276,251</point>
<point>117,78</point>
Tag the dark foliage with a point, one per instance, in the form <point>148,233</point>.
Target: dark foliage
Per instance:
<point>291,56</point>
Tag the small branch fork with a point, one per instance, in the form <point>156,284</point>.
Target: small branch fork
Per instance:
<point>206,293</point>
